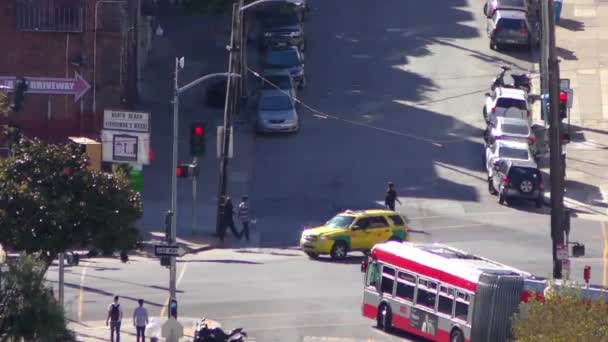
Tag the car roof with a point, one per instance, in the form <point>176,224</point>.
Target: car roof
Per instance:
<point>367,212</point>
<point>523,163</point>
<point>512,144</point>
<point>511,14</point>
<point>511,121</point>
<point>276,72</point>
<point>283,49</point>
<point>512,93</point>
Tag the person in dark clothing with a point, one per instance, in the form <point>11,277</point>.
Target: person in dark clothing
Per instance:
<point>391,197</point>
<point>243,213</point>
<point>227,219</point>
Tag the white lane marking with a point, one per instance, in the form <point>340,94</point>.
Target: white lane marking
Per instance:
<point>275,314</point>
<point>81,291</point>
<point>604,91</point>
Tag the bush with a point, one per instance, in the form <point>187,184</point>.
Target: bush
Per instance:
<point>562,316</point>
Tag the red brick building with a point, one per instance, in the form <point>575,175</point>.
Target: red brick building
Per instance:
<point>97,39</point>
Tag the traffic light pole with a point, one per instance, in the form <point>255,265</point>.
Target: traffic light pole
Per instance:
<point>172,270</point>
<point>194,185</point>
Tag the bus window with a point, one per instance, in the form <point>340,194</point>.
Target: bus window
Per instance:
<point>426,296</point>
<point>372,274</point>
<point>445,305</point>
<point>405,291</point>
<point>388,280</point>
<point>462,311</point>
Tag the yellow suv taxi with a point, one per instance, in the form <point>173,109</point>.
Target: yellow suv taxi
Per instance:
<point>354,231</point>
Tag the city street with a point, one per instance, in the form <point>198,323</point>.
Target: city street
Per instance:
<point>394,93</point>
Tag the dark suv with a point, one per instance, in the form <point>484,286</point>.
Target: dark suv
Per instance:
<point>282,27</point>
<point>516,179</point>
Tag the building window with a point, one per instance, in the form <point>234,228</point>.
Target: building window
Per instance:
<point>50,15</point>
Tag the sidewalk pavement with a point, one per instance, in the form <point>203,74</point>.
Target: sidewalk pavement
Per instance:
<point>582,48</point>
<point>92,331</point>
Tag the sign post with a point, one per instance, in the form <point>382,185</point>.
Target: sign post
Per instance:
<point>562,255</point>
<point>76,86</point>
<point>169,250</point>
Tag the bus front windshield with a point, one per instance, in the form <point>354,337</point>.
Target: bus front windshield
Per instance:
<point>340,221</point>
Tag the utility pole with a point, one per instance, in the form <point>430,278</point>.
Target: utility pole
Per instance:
<point>229,110</point>
<point>555,144</point>
<point>179,62</point>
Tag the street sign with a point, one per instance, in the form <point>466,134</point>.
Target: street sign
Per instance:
<point>562,252</point>
<point>129,121</point>
<point>125,147</point>
<point>167,250</point>
<point>76,86</point>
<point>172,330</point>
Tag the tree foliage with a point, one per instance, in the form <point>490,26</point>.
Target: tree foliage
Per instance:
<point>51,202</point>
<point>28,310</point>
<point>562,316</point>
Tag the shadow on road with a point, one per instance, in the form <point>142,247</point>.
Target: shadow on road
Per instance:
<point>105,293</point>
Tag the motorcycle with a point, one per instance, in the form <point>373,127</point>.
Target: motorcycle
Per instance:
<point>520,81</point>
<point>205,333</point>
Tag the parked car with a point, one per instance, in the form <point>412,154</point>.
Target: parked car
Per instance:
<point>506,150</point>
<point>302,7</point>
<point>354,231</point>
<point>512,129</point>
<point>290,59</point>
<point>276,112</point>
<point>517,179</point>
<point>279,79</point>
<point>508,27</point>
<point>507,102</point>
<point>491,6</point>
<point>282,26</point>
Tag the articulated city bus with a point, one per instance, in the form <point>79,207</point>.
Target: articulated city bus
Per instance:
<point>440,293</point>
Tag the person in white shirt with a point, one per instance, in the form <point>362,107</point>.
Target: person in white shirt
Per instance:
<point>140,320</point>
<point>114,318</point>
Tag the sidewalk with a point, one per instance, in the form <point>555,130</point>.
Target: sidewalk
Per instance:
<point>582,47</point>
<point>93,331</point>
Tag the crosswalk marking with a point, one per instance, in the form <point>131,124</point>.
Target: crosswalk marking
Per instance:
<point>334,339</point>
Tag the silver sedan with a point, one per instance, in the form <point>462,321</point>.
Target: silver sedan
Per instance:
<point>276,112</point>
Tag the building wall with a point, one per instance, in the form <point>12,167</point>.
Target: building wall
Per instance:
<point>50,54</point>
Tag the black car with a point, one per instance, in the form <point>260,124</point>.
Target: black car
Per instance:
<point>516,179</point>
<point>282,27</point>
<point>289,59</point>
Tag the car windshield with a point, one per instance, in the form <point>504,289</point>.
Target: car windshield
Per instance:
<point>515,129</point>
<point>511,24</point>
<point>506,102</point>
<point>275,103</point>
<point>513,153</point>
<point>340,221</point>
<point>282,58</point>
<point>279,15</point>
<point>283,82</point>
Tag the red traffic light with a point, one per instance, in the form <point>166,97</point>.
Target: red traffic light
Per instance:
<point>563,97</point>
<point>587,274</point>
<point>179,172</point>
<point>198,130</point>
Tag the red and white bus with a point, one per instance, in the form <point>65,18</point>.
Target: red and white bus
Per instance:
<point>440,293</point>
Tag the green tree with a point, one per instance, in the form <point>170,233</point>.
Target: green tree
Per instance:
<point>28,310</point>
<point>562,316</point>
<point>51,202</point>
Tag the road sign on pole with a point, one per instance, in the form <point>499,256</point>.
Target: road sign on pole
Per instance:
<point>169,250</point>
<point>562,252</point>
<point>76,86</point>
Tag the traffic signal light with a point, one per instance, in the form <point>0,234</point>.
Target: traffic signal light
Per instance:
<point>563,104</point>
<point>197,139</point>
<point>20,88</point>
<point>187,170</point>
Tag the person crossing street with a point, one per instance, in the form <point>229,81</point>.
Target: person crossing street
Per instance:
<point>243,212</point>
<point>114,318</point>
<point>391,197</point>
<point>140,320</point>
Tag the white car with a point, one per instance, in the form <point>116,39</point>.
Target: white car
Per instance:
<point>507,102</point>
<point>501,128</point>
<point>507,150</point>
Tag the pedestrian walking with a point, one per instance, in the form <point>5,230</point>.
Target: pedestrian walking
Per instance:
<point>244,216</point>
<point>114,318</point>
<point>227,219</point>
<point>140,320</point>
<point>391,197</point>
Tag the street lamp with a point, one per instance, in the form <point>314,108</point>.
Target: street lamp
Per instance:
<point>179,64</point>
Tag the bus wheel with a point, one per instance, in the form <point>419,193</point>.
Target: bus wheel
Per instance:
<point>456,336</point>
<point>339,250</point>
<point>384,319</point>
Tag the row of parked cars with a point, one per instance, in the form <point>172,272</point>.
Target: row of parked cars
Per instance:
<point>507,23</point>
<point>510,151</point>
<point>283,43</point>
